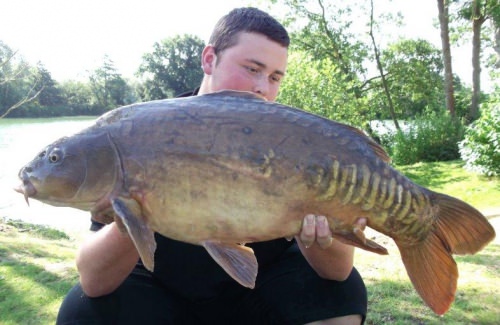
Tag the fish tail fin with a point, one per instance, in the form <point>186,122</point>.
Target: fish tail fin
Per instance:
<point>459,229</point>
<point>433,272</point>
<point>462,228</point>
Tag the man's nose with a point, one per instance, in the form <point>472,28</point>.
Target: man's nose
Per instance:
<point>261,87</point>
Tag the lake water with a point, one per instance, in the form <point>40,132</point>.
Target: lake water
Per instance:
<point>20,141</point>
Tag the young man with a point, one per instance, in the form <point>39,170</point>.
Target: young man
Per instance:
<point>308,280</point>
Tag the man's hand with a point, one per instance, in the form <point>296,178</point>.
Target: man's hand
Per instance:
<point>316,229</point>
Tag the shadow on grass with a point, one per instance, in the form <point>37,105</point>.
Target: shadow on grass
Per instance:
<point>488,257</point>
<point>25,292</point>
<point>28,291</point>
<point>433,175</point>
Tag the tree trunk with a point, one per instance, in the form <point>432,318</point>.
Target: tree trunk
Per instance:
<point>496,47</point>
<point>445,41</point>
<point>477,21</point>
<point>382,76</point>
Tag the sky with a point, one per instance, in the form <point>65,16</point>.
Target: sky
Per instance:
<point>72,37</point>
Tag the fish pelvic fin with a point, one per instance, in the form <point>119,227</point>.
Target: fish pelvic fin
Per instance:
<point>129,213</point>
<point>357,238</point>
<point>237,260</point>
<point>458,229</point>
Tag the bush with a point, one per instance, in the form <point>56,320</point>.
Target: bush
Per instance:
<point>425,139</point>
<point>481,147</point>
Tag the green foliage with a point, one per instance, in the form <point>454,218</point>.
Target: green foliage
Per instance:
<point>51,93</point>
<point>319,86</point>
<point>78,96</point>
<point>414,74</point>
<point>325,62</point>
<point>430,138</point>
<point>326,31</point>
<point>481,147</point>
<point>332,70</point>
<point>463,97</point>
<point>19,81</point>
<point>172,68</point>
<point>327,72</point>
<point>109,89</point>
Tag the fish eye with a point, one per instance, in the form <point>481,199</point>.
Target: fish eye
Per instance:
<point>54,156</point>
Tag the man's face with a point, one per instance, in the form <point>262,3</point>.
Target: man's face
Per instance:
<point>254,64</point>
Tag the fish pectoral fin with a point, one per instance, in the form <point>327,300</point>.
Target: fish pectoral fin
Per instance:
<point>129,212</point>
<point>237,260</point>
<point>357,238</point>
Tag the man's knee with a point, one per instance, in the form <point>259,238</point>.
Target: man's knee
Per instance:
<point>343,320</point>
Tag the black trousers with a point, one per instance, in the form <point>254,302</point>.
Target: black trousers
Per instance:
<point>290,293</point>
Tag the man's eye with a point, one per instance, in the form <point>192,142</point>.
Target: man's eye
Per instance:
<point>275,78</point>
<point>251,69</point>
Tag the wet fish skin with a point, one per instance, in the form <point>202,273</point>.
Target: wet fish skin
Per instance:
<point>227,168</point>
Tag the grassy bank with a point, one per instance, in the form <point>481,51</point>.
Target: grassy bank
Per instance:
<point>451,178</point>
<point>37,265</point>
<point>36,271</point>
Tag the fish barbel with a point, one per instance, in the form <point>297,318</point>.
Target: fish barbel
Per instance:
<point>227,168</point>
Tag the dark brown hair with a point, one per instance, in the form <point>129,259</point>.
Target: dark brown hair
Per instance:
<point>250,20</point>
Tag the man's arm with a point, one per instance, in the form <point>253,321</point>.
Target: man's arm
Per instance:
<point>104,260</point>
<point>328,257</point>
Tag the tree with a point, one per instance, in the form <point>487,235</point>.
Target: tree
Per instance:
<point>477,12</point>
<point>326,61</point>
<point>51,94</point>
<point>78,98</point>
<point>445,41</point>
<point>19,83</point>
<point>414,74</point>
<point>496,46</point>
<point>318,86</point>
<point>481,147</point>
<point>326,31</point>
<point>108,87</point>
<point>381,71</point>
<point>331,71</point>
<point>172,68</point>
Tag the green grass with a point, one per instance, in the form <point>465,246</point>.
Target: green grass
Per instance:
<point>37,265</point>
<point>393,300</point>
<point>36,271</point>
<point>451,178</point>
<point>40,231</point>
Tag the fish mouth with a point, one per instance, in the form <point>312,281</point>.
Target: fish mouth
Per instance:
<point>27,189</point>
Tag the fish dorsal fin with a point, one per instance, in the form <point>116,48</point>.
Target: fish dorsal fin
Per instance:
<point>237,260</point>
<point>237,93</point>
<point>379,151</point>
<point>129,212</point>
<point>376,148</point>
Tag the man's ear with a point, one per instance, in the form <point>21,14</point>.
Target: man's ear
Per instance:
<point>208,59</point>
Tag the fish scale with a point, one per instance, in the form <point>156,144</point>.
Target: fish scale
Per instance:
<point>227,168</point>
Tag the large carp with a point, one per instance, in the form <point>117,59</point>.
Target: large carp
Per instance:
<point>228,168</point>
